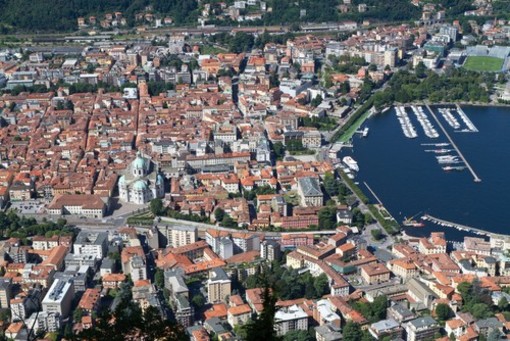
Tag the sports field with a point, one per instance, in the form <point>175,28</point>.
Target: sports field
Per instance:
<point>483,63</point>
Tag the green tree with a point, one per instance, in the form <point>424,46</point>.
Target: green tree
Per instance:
<point>316,101</point>
<point>321,285</point>
<point>443,311</point>
<point>331,185</point>
<point>377,234</point>
<point>279,151</point>
<point>219,214</point>
<point>262,327</point>
<point>159,278</point>
<point>298,335</point>
<point>198,301</point>
<point>352,332</point>
<point>327,218</point>
<point>156,207</point>
<point>503,304</point>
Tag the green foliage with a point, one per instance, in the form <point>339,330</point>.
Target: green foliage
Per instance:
<point>11,225</point>
<point>128,322</point>
<point>262,327</point>
<point>188,217</point>
<point>61,15</point>
<point>327,218</point>
<point>159,278</point>
<point>323,123</point>
<point>331,184</point>
<point>375,311</point>
<point>476,299</point>
<point>241,42</point>
<point>377,234</point>
<point>219,214</point>
<point>156,207</point>
<point>316,101</point>
<point>346,64</point>
<point>198,301</point>
<point>298,335</point>
<point>352,332</point>
<point>452,86</point>
<point>157,87</point>
<point>444,312</point>
<point>288,284</point>
<point>279,151</point>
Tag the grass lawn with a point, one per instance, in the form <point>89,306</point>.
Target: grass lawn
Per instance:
<point>476,63</point>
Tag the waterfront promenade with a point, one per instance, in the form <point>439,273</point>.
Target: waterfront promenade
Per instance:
<point>475,176</point>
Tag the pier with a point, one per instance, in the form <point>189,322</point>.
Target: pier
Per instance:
<point>460,227</point>
<point>475,177</point>
<point>373,193</point>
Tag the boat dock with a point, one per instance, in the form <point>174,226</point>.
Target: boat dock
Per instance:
<point>467,121</point>
<point>460,227</point>
<point>373,193</point>
<point>475,177</point>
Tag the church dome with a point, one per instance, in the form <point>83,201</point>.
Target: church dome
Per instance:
<point>140,186</point>
<point>139,162</point>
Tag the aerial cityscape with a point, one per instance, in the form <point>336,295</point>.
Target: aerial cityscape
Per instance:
<point>310,170</point>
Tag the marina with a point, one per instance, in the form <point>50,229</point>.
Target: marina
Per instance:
<point>405,123</point>
<point>411,180</point>
<point>428,128</point>
<point>448,116</point>
<point>470,126</point>
<point>475,176</point>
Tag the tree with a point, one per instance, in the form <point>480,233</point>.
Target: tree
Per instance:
<point>262,327</point>
<point>503,304</point>
<point>198,301</point>
<point>352,332</point>
<point>377,234</point>
<point>420,70</point>
<point>156,207</point>
<point>321,285</point>
<point>316,101</point>
<point>279,151</point>
<point>128,322</point>
<point>327,218</point>
<point>480,311</point>
<point>219,214</point>
<point>331,185</point>
<point>159,278</point>
<point>298,335</point>
<point>443,311</point>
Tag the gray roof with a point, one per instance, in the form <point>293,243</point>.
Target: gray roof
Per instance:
<point>329,332</point>
<point>490,322</point>
<point>401,310</point>
<point>422,322</point>
<point>91,238</point>
<point>384,325</point>
<point>218,274</point>
<point>310,187</point>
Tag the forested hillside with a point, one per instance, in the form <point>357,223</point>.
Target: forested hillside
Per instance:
<point>61,15</point>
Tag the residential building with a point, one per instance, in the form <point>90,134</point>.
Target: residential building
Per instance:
<point>422,328</point>
<point>91,243</point>
<point>59,298</point>
<point>218,286</point>
<point>290,318</point>
<point>270,250</point>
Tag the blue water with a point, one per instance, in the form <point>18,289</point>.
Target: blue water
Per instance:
<point>409,180</point>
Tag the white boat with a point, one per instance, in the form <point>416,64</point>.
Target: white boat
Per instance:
<point>349,162</point>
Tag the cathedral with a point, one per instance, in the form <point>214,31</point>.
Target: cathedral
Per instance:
<point>141,182</point>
